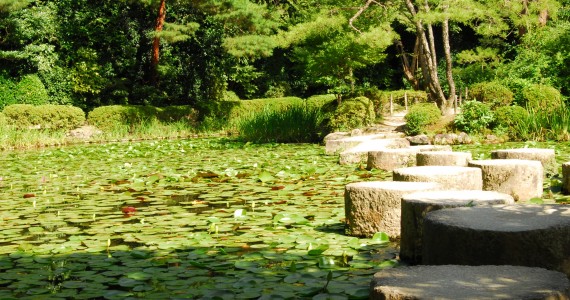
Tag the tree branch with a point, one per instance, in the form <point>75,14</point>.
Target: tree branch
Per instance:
<point>359,12</point>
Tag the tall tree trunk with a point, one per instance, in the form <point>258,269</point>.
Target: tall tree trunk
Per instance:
<point>448,63</point>
<point>161,16</point>
<point>431,37</point>
<point>434,86</point>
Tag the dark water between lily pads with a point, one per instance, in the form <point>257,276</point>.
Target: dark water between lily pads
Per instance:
<point>186,219</point>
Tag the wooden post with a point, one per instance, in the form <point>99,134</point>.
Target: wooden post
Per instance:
<point>460,99</point>
<point>406,100</point>
<point>466,93</point>
<point>391,104</point>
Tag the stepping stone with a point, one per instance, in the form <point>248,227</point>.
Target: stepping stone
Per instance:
<point>469,282</point>
<point>415,206</point>
<point>374,206</point>
<point>390,159</point>
<point>443,158</point>
<point>341,141</point>
<point>522,235</point>
<point>566,177</point>
<point>450,177</point>
<point>359,153</point>
<point>519,178</point>
<point>545,156</point>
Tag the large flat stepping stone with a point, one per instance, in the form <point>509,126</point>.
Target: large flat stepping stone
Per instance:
<point>469,282</point>
<point>519,178</point>
<point>546,156</point>
<point>450,177</point>
<point>443,158</point>
<point>335,143</point>
<point>415,206</point>
<point>359,153</point>
<point>390,159</point>
<point>374,206</point>
<point>523,235</point>
<point>566,177</point>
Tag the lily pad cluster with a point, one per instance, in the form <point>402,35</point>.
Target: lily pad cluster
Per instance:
<point>187,219</point>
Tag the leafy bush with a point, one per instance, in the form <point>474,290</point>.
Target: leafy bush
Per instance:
<point>419,116</point>
<point>492,93</point>
<point>23,116</point>
<point>112,116</point>
<point>320,100</point>
<point>7,91</point>
<point>31,90</point>
<point>350,114</point>
<point>298,123</point>
<point>541,97</point>
<point>508,118</point>
<point>475,117</point>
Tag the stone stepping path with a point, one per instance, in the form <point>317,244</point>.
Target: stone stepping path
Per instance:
<point>545,156</point>
<point>522,179</point>
<point>454,282</point>
<point>374,206</point>
<point>390,159</point>
<point>336,143</point>
<point>443,158</point>
<point>527,235</point>
<point>450,177</point>
<point>415,207</point>
<point>359,153</point>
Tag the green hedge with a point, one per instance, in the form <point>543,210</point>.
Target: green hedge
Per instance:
<point>419,116</point>
<point>23,116</point>
<point>109,117</point>
<point>541,97</point>
<point>492,93</point>
<point>350,114</point>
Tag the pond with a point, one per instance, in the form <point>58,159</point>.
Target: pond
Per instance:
<point>187,219</point>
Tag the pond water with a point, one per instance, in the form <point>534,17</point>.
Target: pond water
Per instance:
<point>187,219</point>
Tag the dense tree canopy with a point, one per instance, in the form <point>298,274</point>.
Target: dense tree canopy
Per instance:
<point>92,53</point>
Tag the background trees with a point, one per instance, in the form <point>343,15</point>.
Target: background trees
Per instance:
<point>91,53</point>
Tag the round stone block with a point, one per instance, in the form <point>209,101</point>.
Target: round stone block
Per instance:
<point>443,158</point>
<point>359,153</point>
<point>374,206</point>
<point>522,235</point>
<point>519,178</point>
<point>422,148</point>
<point>566,177</point>
<point>545,156</point>
<point>390,159</point>
<point>469,282</point>
<point>450,177</point>
<point>416,205</point>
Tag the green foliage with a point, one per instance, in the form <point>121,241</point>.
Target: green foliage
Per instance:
<point>475,117</point>
<point>350,114</point>
<point>54,117</point>
<point>542,125</point>
<point>492,93</point>
<point>31,90</point>
<point>419,116</point>
<point>298,123</point>
<point>114,116</point>
<point>7,91</point>
<point>541,97</point>
<point>508,118</point>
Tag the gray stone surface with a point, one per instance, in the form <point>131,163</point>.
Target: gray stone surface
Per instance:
<point>546,156</point>
<point>443,158</point>
<point>566,177</point>
<point>415,206</point>
<point>519,178</point>
<point>454,282</point>
<point>527,235</point>
<point>450,177</point>
<point>359,153</point>
<point>390,159</point>
<point>374,206</point>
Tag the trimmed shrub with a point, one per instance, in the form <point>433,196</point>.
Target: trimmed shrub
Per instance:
<point>31,90</point>
<point>419,116</point>
<point>541,97</point>
<point>492,93</point>
<point>509,116</point>
<point>7,91</point>
<point>320,100</point>
<point>109,117</point>
<point>24,116</point>
<point>475,117</point>
<point>350,114</point>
